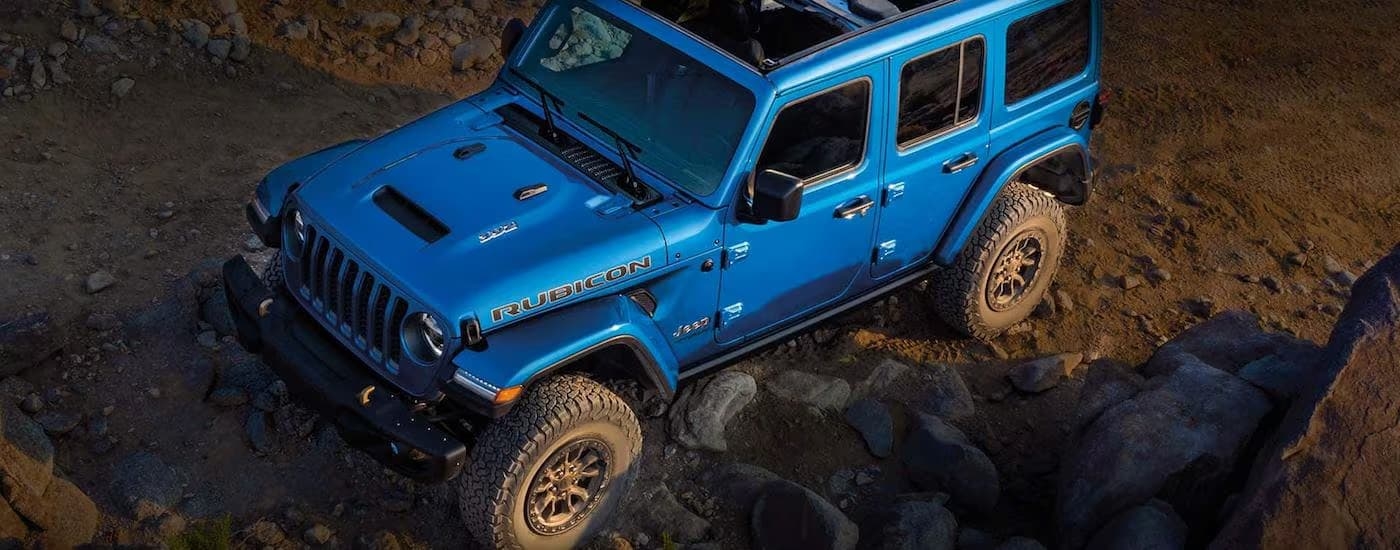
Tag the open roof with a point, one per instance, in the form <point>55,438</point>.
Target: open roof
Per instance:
<point>768,34</point>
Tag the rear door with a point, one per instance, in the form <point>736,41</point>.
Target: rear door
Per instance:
<point>935,146</point>
<point>1048,61</point>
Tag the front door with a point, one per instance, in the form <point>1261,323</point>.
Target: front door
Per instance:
<point>936,147</point>
<point>777,271</point>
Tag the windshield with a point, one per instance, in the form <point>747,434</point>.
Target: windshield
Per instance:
<point>684,117</point>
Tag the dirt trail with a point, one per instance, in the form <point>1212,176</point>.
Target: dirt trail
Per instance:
<point>1247,145</point>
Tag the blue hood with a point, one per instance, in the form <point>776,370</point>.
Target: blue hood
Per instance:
<point>462,167</point>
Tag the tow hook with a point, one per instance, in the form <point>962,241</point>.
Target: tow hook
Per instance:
<point>265,308</point>
<point>364,394</point>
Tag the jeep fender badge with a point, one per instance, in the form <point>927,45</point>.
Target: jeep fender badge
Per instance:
<point>530,191</point>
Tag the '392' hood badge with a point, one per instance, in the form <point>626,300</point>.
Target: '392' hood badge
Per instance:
<point>497,231</point>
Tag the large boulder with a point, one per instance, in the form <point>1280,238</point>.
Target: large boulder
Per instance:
<point>64,515</point>
<point>919,525</point>
<point>938,457</point>
<point>658,511</point>
<point>1180,439</point>
<point>827,393</point>
<point>947,394</point>
<point>1327,479</point>
<point>1107,383</point>
<point>145,485</point>
<point>789,516</point>
<point>698,418</point>
<point>1228,342</point>
<point>1152,526</point>
<point>26,454</point>
<point>736,485</point>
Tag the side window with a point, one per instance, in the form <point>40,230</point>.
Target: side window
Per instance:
<point>820,135</point>
<point>1047,48</point>
<point>940,91</point>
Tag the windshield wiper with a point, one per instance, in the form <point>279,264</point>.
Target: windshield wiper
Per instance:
<point>549,131</point>
<point>625,150</point>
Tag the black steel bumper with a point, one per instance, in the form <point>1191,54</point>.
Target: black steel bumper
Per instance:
<point>324,376</point>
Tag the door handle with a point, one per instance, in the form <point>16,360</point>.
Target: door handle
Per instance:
<point>856,207</point>
<point>963,162</point>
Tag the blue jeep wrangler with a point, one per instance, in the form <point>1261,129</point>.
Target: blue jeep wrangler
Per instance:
<point>650,191</point>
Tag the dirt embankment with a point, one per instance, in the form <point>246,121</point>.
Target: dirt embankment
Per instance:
<point>1247,163</point>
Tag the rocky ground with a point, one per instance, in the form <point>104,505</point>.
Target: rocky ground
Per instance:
<point>1242,169</point>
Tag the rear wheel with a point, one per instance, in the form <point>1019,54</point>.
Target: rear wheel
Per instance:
<point>550,473</point>
<point>1006,267</point>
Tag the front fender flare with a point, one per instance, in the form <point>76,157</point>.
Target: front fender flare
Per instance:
<point>1004,169</point>
<point>525,352</point>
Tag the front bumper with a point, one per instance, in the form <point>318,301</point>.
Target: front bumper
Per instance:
<point>330,380</point>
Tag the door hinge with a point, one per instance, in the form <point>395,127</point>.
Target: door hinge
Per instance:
<point>736,254</point>
<point>893,192</point>
<point>729,314</point>
<point>885,250</point>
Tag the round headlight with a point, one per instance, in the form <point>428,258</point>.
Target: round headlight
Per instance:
<point>293,232</point>
<point>423,337</point>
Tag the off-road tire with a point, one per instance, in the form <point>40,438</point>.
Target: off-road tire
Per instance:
<point>512,450</point>
<point>273,277</point>
<point>960,290</point>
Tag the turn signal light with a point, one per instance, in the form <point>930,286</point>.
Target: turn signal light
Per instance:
<point>507,395</point>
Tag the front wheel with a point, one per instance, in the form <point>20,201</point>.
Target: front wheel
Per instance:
<point>1006,267</point>
<point>551,471</point>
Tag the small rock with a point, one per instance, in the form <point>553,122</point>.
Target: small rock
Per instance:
<point>68,30</point>
<point>102,322</point>
<point>228,397</point>
<point>208,339</point>
<point>872,419</point>
<point>219,48</point>
<point>87,8</point>
<point>472,53</point>
<point>885,373</point>
<point>266,533</point>
<point>57,423</point>
<point>98,44</point>
<point>820,391</point>
<point>317,534</point>
<point>1064,301</point>
<point>1044,373</point>
<point>1129,282</point>
<point>1022,543</point>
<point>226,7</point>
<point>1272,284</point>
<point>99,280</point>
<point>256,429</point>
<point>379,20</point>
<point>240,47</point>
<point>1298,259</point>
<point>146,486</point>
<point>196,33</point>
<point>293,30</point>
<point>789,516</point>
<point>406,36</point>
<point>58,49</point>
<point>32,403</point>
<point>122,87</point>
<point>1158,274</point>
<point>58,76</point>
<point>253,244</point>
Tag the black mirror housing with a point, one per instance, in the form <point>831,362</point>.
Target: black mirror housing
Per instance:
<point>776,196</point>
<point>511,35</point>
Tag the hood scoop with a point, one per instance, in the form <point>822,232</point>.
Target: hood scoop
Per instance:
<point>409,214</point>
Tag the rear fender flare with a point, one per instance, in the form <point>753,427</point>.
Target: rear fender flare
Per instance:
<point>1008,167</point>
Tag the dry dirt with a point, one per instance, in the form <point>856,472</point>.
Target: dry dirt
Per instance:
<point>1241,135</point>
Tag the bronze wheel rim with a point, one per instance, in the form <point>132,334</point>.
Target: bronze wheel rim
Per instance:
<point>1015,269</point>
<point>569,486</point>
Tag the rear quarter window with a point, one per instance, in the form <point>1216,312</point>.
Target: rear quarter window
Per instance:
<point>1047,48</point>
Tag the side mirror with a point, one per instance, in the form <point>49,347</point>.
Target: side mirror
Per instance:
<point>776,196</point>
<point>510,36</point>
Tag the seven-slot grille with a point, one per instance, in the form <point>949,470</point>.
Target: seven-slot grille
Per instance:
<point>352,300</point>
